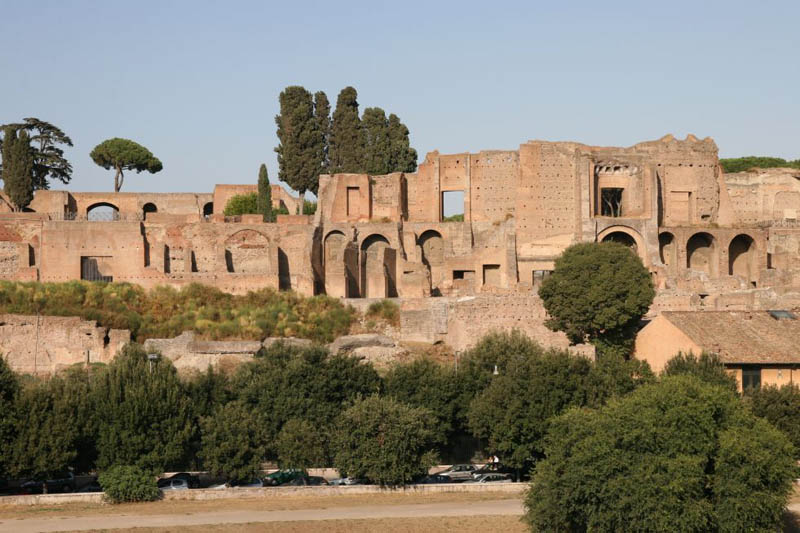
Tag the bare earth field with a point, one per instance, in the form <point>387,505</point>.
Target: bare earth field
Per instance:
<point>379,512</point>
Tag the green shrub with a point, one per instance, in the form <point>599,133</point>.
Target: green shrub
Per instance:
<point>781,407</point>
<point>242,204</point>
<point>742,164</point>
<point>309,207</point>
<point>706,367</point>
<point>386,310</point>
<point>128,484</point>
<point>454,218</point>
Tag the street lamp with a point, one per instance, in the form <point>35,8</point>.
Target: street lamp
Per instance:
<point>152,357</point>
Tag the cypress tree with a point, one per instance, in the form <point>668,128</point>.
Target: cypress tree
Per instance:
<point>403,157</point>
<point>298,151</point>
<point>264,194</point>
<point>322,116</point>
<point>346,143</point>
<point>18,168</point>
<point>9,387</point>
<point>377,144</point>
<point>6,147</point>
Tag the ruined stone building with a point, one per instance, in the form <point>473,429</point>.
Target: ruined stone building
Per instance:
<point>711,241</point>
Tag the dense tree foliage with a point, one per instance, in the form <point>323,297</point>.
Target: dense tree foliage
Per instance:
<point>781,407</point>
<point>242,204</point>
<point>377,143</point>
<point>301,445</point>
<point>742,164</point>
<point>48,157</point>
<point>264,195</point>
<point>125,483</point>
<point>168,312</point>
<point>322,116</point>
<point>9,386</point>
<point>144,416</point>
<point>680,455</point>
<point>385,441</point>
<point>301,141</point>
<point>233,442</point>
<point>403,158</point>
<point>598,293</point>
<point>346,140</point>
<point>707,367</point>
<point>123,155</point>
<point>17,171</point>
<point>285,383</point>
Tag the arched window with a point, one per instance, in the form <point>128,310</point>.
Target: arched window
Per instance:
<point>149,207</point>
<point>102,212</point>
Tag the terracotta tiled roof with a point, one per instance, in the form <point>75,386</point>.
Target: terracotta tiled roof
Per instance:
<point>741,336</point>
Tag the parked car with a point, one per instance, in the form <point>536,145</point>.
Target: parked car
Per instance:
<point>173,484</point>
<point>191,479</point>
<point>306,481</point>
<point>280,477</point>
<point>63,482</point>
<point>491,478</point>
<point>346,481</point>
<point>435,478</point>
<point>493,468</point>
<point>459,473</point>
<point>92,486</point>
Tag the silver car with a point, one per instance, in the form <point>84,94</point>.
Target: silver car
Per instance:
<point>491,478</point>
<point>458,473</point>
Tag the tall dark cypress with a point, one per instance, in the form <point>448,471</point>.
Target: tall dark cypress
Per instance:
<point>377,144</point>
<point>264,194</point>
<point>322,116</point>
<point>346,143</point>
<point>298,151</point>
<point>18,168</point>
<point>403,157</point>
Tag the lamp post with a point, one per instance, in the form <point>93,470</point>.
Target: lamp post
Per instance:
<point>152,357</point>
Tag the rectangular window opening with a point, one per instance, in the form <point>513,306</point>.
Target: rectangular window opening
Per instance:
<point>611,202</point>
<point>491,275</point>
<point>453,206</point>
<point>463,274</point>
<point>751,378</point>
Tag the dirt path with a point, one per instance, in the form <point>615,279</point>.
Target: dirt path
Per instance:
<point>37,525</point>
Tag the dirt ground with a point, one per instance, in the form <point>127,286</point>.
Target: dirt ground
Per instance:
<point>243,504</point>
<point>470,524</point>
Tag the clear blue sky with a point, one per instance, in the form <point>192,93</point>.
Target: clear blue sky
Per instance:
<point>197,82</point>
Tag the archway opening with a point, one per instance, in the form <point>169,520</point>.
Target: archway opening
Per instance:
<point>377,268</point>
<point>432,246</point>
<point>701,253</point>
<point>741,257</point>
<point>622,238</point>
<point>147,208</point>
<point>667,249</point>
<point>102,212</point>
<point>208,209</point>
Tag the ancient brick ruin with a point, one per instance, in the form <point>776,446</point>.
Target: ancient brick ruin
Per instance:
<point>710,240</point>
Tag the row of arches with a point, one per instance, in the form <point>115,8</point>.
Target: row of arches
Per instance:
<point>104,211</point>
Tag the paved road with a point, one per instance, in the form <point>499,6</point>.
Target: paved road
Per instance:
<point>38,525</point>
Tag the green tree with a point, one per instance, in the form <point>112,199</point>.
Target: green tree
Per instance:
<point>48,157</point>
<point>346,142</point>
<point>9,387</point>
<point>122,155</point>
<point>403,158</point>
<point>425,383</point>
<point>377,143</point>
<point>301,142</point>
<point>285,383</point>
<point>265,195</point>
<point>322,116</point>
<point>301,445</point>
<point>598,293</point>
<point>679,455</point>
<point>781,407</point>
<point>385,441</point>
<point>144,415</point>
<point>707,367</point>
<point>742,164</point>
<point>46,437</point>
<point>233,442</point>
<point>17,168</point>
<point>242,204</point>
<point>125,483</point>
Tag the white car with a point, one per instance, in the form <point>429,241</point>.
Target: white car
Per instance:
<point>174,484</point>
<point>491,478</point>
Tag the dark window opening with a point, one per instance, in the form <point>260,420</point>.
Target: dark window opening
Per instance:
<point>611,202</point>
<point>780,314</point>
<point>463,274</point>
<point>751,378</point>
<point>92,269</point>
<point>208,209</point>
<point>453,206</point>
<point>149,207</point>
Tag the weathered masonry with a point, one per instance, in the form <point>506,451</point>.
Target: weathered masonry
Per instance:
<point>711,241</point>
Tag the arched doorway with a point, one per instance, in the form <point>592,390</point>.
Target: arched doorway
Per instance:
<point>247,251</point>
<point>701,254</point>
<point>622,238</point>
<point>377,268</point>
<point>339,278</point>
<point>102,212</point>
<point>149,207</point>
<point>208,209</point>
<point>432,249</point>
<point>668,250</point>
<point>627,237</point>
<point>742,257</point>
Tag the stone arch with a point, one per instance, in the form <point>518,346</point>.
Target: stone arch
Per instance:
<point>668,249</point>
<point>247,251</point>
<point>338,274</point>
<point>102,211</point>
<point>701,253</point>
<point>149,207</point>
<point>627,236</point>
<point>377,267</point>
<point>208,209</point>
<point>432,245</point>
<point>742,257</point>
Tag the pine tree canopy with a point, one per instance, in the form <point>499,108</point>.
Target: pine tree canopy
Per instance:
<point>48,157</point>
<point>122,155</point>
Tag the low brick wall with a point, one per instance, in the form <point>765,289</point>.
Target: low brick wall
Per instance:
<point>275,492</point>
